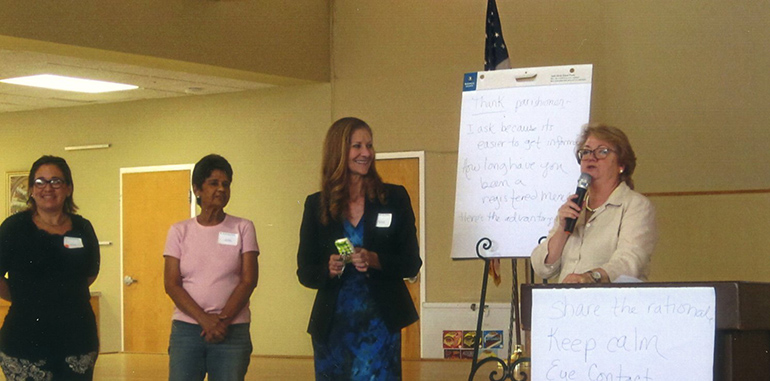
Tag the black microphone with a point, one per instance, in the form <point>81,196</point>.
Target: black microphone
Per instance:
<point>582,188</point>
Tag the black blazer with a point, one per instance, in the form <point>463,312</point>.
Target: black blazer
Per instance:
<point>397,248</point>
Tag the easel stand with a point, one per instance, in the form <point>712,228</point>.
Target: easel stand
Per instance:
<point>509,366</point>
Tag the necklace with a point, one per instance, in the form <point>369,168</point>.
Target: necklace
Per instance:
<point>588,197</point>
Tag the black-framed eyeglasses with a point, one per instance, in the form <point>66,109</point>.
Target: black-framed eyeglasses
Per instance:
<point>55,182</point>
<point>599,153</point>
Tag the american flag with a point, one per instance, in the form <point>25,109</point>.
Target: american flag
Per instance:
<point>495,51</point>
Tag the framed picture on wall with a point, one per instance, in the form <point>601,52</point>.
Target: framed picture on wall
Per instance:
<point>17,192</point>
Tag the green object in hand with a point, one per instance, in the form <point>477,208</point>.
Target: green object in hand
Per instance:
<point>345,248</point>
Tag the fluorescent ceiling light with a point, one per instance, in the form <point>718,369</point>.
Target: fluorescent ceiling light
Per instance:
<point>58,82</point>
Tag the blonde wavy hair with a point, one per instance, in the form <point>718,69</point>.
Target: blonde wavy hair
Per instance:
<point>620,142</point>
<point>335,174</point>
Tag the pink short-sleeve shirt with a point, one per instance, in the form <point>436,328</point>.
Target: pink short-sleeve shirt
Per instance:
<point>210,261</point>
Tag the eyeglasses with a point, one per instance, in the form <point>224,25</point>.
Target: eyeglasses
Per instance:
<point>55,182</point>
<point>599,153</point>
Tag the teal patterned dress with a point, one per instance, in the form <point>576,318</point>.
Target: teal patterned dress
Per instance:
<point>360,347</point>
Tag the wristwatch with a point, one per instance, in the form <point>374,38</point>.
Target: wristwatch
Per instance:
<point>596,276</point>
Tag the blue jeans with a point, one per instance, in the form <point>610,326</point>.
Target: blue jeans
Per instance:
<point>191,357</point>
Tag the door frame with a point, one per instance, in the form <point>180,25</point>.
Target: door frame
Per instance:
<point>420,156</point>
<point>158,168</point>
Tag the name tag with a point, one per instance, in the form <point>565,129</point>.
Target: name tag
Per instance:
<point>229,239</point>
<point>384,219</point>
<point>73,242</point>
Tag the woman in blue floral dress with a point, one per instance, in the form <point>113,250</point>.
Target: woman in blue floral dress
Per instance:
<point>362,303</point>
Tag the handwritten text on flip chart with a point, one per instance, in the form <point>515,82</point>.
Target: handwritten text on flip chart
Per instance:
<point>516,164</point>
<point>628,334</point>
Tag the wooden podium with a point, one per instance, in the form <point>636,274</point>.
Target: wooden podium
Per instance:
<point>742,339</point>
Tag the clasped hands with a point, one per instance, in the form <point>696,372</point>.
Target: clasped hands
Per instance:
<point>361,258</point>
<point>214,328</point>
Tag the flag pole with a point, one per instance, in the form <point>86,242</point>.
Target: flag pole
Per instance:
<point>496,58</point>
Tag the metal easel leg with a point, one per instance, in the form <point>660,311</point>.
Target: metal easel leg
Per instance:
<point>513,361</point>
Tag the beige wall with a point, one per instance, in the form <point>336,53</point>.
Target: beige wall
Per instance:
<point>271,138</point>
<point>275,37</point>
<point>713,238</point>
<point>687,80</point>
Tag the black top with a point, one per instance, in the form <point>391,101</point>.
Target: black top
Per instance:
<point>394,239</point>
<point>50,313</point>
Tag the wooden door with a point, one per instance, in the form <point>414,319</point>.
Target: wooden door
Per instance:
<point>151,202</point>
<point>406,172</point>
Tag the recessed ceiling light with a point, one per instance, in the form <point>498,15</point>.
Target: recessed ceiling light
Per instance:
<point>58,82</point>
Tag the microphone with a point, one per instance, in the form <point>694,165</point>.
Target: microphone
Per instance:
<point>582,188</point>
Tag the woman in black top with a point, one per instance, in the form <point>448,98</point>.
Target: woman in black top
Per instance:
<point>362,303</point>
<point>50,256</point>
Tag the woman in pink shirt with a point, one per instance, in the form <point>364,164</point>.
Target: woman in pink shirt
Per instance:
<point>211,269</point>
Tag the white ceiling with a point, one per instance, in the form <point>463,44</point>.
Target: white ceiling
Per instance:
<point>153,83</point>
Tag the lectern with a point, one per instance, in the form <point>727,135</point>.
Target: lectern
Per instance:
<point>742,339</point>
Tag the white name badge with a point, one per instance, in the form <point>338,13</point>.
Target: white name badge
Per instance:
<point>384,219</point>
<point>73,242</point>
<point>229,239</point>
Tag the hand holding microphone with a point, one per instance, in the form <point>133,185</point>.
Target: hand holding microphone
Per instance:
<point>582,188</point>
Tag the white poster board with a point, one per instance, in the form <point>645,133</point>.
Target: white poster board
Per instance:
<point>516,158</point>
<point>634,333</point>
